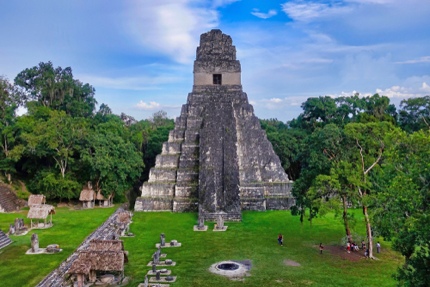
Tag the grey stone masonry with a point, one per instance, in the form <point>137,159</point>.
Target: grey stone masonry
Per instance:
<point>4,240</point>
<point>218,159</point>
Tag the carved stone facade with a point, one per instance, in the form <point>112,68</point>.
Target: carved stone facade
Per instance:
<point>217,159</point>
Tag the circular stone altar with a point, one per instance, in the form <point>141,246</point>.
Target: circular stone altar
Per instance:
<point>229,269</point>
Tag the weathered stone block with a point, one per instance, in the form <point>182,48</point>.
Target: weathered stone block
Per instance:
<point>176,135</point>
<point>171,148</point>
<point>185,205</point>
<point>162,174</point>
<point>185,190</point>
<point>167,160</point>
<point>187,175</point>
<point>153,204</point>
<point>158,189</point>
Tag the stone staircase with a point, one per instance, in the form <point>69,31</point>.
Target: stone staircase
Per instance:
<point>4,240</point>
<point>9,202</point>
<point>218,159</point>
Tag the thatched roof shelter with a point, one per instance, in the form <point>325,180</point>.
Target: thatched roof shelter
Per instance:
<point>106,245</point>
<point>101,256</point>
<point>87,194</point>
<point>36,199</point>
<point>41,211</point>
<point>98,261</point>
<point>100,196</point>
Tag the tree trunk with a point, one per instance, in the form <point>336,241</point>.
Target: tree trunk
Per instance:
<point>369,232</point>
<point>345,218</point>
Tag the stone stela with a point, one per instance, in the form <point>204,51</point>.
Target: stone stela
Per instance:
<point>217,160</point>
<point>201,224</point>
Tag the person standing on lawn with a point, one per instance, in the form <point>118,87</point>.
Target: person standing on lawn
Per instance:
<point>280,239</point>
<point>321,248</point>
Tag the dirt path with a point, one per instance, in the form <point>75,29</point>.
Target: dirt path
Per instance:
<point>342,253</point>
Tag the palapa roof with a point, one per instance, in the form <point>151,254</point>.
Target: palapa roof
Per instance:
<point>100,196</point>
<point>106,245</point>
<point>98,261</point>
<point>40,211</point>
<point>36,199</point>
<point>87,194</point>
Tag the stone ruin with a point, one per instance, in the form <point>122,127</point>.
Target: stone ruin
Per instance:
<point>18,227</point>
<point>217,159</point>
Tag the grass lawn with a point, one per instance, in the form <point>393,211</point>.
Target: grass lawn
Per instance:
<point>255,239</point>
<point>69,230</point>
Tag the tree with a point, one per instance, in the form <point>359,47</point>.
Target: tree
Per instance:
<point>113,161</point>
<point>10,150</point>
<point>55,88</point>
<point>55,137</point>
<point>369,141</point>
<point>403,212</point>
<point>286,143</point>
<point>414,114</point>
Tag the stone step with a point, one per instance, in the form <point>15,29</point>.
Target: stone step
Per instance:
<point>176,135</point>
<point>4,240</point>
<point>162,175</point>
<point>158,189</point>
<point>171,148</point>
<point>8,199</point>
<point>187,175</point>
<point>166,161</point>
<point>185,190</point>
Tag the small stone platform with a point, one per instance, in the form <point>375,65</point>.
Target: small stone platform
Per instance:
<point>161,263</point>
<point>162,279</point>
<point>196,228</point>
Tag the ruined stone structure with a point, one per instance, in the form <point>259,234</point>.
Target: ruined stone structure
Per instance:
<point>217,159</point>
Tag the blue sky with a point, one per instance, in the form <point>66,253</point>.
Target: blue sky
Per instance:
<point>139,54</point>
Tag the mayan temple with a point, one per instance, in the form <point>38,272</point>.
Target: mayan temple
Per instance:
<point>217,159</point>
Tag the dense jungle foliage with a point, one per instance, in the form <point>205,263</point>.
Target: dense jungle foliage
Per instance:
<point>340,152</point>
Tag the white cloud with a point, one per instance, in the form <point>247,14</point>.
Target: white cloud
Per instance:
<point>171,27</point>
<point>148,106</point>
<point>222,3</point>
<point>307,11</point>
<point>425,59</point>
<point>262,15</point>
<point>275,100</point>
<point>415,89</point>
<point>372,1</point>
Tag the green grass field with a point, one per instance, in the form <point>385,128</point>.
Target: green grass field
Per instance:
<point>69,230</point>
<point>254,239</point>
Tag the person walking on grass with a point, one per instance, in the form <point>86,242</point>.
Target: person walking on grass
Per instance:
<point>378,247</point>
<point>321,248</point>
<point>280,239</point>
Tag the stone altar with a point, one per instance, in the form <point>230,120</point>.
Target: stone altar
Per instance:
<point>217,159</point>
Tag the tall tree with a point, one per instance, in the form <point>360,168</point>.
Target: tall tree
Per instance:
<point>56,137</point>
<point>56,88</point>
<point>414,114</point>
<point>113,161</point>
<point>403,212</point>
<point>10,150</point>
<point>365,158</point>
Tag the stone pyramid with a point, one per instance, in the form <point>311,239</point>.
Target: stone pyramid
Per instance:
<point>217,159</point>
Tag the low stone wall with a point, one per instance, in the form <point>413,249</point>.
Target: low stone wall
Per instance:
<point>107,230</point>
